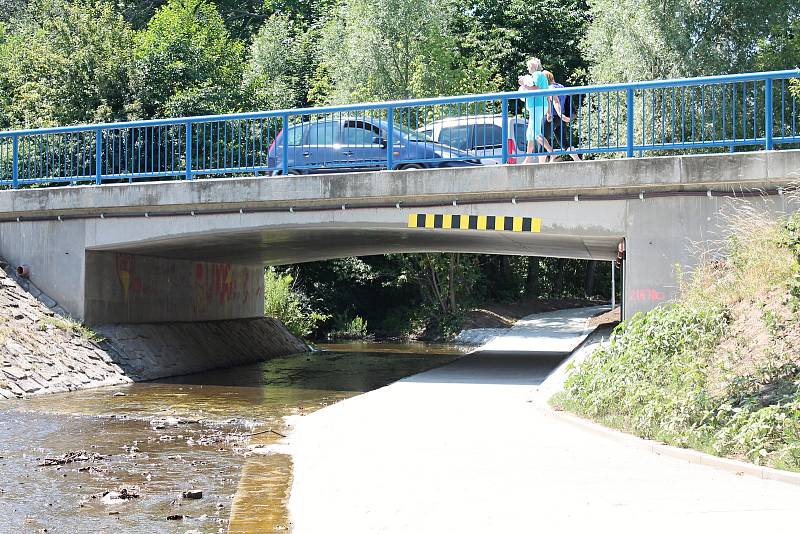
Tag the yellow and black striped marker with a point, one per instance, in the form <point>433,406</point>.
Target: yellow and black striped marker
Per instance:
<point>474,222</point>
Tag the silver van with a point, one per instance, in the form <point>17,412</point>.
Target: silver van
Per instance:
<point>480,135</point>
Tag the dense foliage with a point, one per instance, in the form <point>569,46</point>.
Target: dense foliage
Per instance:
<point>283,301</point>
<point>718,370</point>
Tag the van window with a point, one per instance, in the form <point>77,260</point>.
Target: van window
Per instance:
<point>295,136</point>
<point>488,136</point>
<point>322,133</point>
<point>456,137</point>
<point>359,133</point>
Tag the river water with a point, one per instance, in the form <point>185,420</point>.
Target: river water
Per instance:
<point>210,431</point>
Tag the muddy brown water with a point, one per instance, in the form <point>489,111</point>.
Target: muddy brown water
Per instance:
<point>162,438</point>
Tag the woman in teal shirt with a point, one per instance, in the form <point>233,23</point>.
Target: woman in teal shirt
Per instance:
<point>537,105</point>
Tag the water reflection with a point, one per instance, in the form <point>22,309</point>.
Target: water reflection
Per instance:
<point>163,438</point>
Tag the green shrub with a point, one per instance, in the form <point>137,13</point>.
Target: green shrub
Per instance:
<point>653,372</point>
<point>355,328</point>
<point>290,306</point>
<point>685,372</point>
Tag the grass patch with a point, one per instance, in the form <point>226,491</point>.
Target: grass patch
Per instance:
<point>70,326</point>
<point>717,370</point>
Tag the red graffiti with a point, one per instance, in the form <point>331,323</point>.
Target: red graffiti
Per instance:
<point>647,295</point>
<point>221,284</point>
<point>126,274</point>
<point>224,284</point>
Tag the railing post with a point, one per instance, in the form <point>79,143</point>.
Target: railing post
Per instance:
<point>98,156</point>
<point>15,162</point>
<point>188,150</point>
<point>768,113</point>
<point>285,147</point>
<point>389,138</point>
<point>629,101</point>
<point>504,117</point>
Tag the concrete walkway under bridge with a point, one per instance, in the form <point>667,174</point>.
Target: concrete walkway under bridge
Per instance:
<point>468,448</point>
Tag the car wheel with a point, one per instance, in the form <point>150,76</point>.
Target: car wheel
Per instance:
<point>410,166</point>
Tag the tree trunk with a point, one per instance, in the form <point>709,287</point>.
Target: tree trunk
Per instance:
<point>558,286</point>
<point>532,278</point>
<point>453,281</point>
<point>589,279</point>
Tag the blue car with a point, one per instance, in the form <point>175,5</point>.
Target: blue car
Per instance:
<point>344,144</point>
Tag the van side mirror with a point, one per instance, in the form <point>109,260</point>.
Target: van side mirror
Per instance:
<point>377,140</point>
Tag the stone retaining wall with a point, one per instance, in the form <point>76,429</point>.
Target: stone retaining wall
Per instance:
<point>44,351</point>
<point>149,351</point>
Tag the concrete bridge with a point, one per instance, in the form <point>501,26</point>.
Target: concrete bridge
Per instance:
<point>195,250</point>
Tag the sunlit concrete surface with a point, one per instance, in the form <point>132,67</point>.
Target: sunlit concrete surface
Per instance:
<point>554,332</point>
<point>466,448</point>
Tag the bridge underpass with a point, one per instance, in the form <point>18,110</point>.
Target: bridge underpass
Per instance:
<point>195,250</point>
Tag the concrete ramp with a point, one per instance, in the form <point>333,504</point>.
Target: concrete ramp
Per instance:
<point>558,332</point>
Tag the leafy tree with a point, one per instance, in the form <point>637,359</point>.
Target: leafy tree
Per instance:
<point>63,63</point>
<point>186,63</point>
<point>279,65</point>
<point>669,38</point>
<point>500,35</point>
<point>389,49</point>
<point>11,8</point>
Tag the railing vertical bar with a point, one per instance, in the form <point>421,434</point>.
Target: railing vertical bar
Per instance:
<point>653,117</point>
<point>702,113</point>
<point>768,113</point>
<point>188,143</point>
<point>734,125</point>
<point>683,114</point>
<point>714,102</point>
<point>285,147</point>
<point>504,127</point>
<point>783,108</point>
<point>663,112</point>
<point>755,110</point>
<point>744,111</point>
<point>616,122</point>
<point>390,138</point>
<point>629,102</point>
<point>98,139</point>
<point>694,113</point>
<point>672,134</point>
<point>644,118</point>
<point>15,161</point>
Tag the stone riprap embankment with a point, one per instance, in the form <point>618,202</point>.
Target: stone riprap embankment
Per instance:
<point>43,351</point>
<point>150,351</point>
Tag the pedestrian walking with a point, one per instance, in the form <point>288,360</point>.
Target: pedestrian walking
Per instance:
<point>536,105</point>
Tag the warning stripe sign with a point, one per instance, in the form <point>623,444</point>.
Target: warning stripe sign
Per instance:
<point>474,222</point>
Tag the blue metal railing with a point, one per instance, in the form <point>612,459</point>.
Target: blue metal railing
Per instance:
<point>693,114</point>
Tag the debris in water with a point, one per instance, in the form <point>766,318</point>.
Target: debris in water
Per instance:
<point>72,456</point>
<point>174,517</point>
<point>192,494</point>
<point>116,497</point>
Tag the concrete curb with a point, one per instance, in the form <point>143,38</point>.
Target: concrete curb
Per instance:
<point>736,467</point>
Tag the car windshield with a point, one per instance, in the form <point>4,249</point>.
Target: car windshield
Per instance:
<point>410,134</point>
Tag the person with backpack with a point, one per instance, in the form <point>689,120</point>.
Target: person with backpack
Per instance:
<point>556,127</point>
